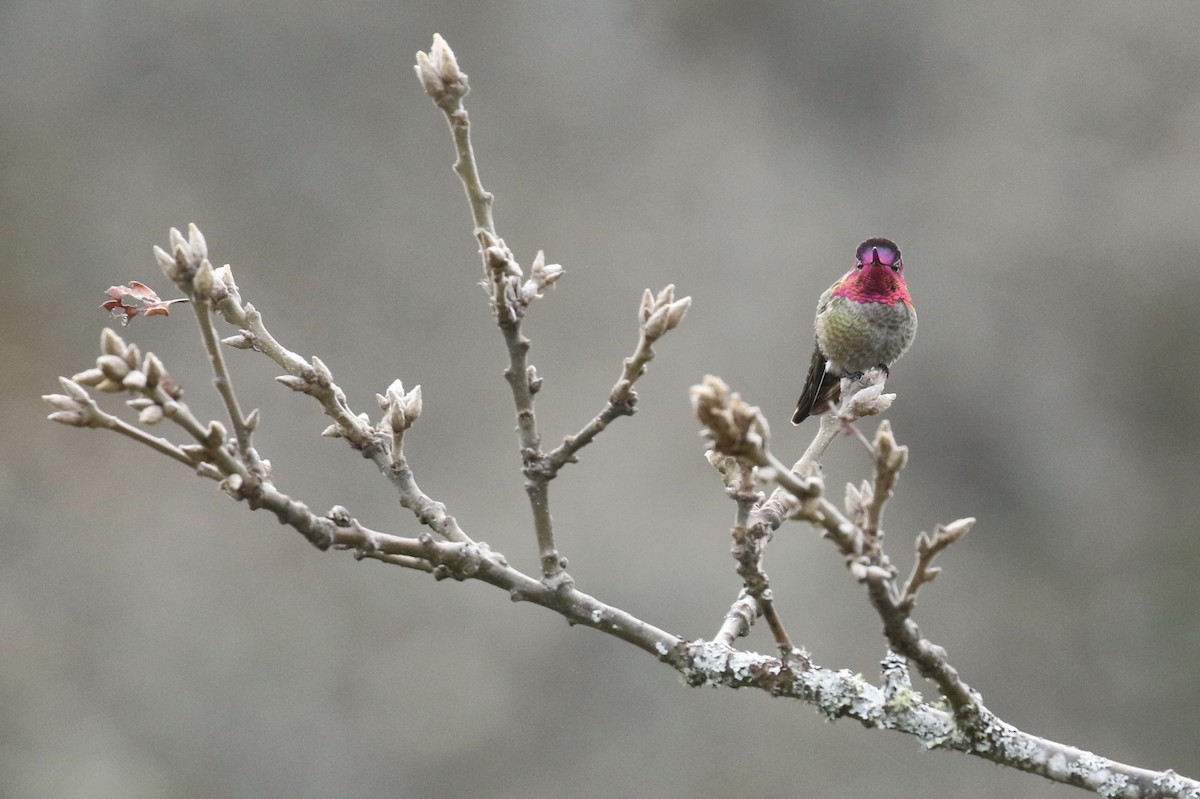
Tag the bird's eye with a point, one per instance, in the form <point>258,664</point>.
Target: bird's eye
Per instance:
<point>896,268</point>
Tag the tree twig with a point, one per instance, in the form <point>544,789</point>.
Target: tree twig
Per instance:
<point>659,314</point>
<point>928,548</point>
<point>447,84</point>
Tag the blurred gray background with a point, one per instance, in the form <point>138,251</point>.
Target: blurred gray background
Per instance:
<point>1040,168</point>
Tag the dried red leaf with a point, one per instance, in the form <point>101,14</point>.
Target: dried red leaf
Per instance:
<point>126,302</point>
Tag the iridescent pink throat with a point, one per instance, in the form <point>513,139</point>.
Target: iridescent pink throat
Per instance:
<point>874,283</point>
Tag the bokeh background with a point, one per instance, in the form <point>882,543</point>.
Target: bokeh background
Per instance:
<point>1039,166</point>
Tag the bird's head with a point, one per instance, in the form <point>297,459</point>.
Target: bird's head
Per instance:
<point>877,275</point>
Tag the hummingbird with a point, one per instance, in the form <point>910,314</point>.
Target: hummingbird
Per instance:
<point>864,320</point>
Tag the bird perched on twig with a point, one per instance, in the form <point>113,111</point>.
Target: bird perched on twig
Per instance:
<point>864,320</point>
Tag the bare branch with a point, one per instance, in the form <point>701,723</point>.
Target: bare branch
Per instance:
<point>738,430</point>
<point>666,312</point>
<point>739,619</point>
<point>740,440</point>
<point>121,368</point>
<point>78,409</point>
<point>843,694</point>
<point>927,549</point>
<point>733,426</point>
<point>749,545</point>
<point>401,411</point>
<point>447,84</point>
<point>889,458</point>
<point>188,266</point>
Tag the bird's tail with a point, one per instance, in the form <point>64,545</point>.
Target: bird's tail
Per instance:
<point>821,390</point>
